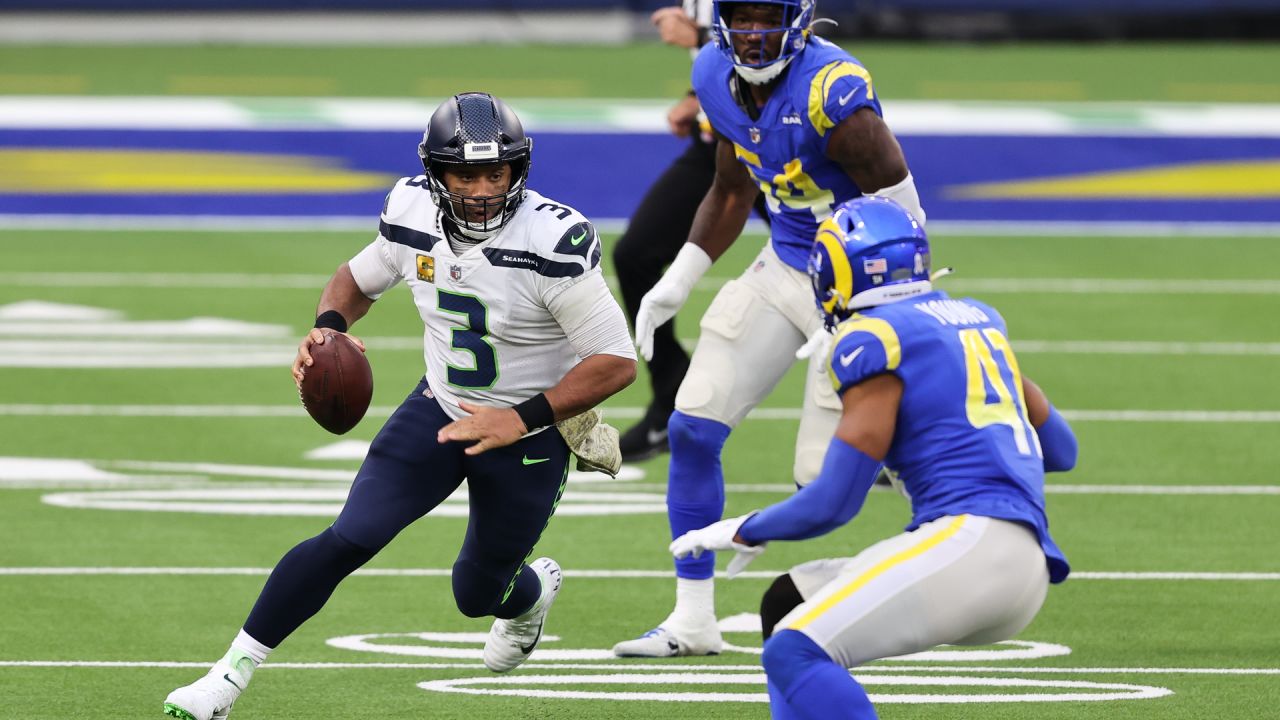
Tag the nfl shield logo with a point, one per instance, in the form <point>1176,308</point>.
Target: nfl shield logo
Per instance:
<point>755,135</point>
<point>455,272</point>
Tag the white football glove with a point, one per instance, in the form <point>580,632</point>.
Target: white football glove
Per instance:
<point>818,344</point>
<point>719,536</point>
<point>665,299</point>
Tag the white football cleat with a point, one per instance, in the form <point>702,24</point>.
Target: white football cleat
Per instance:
<point>512,641</point>
<point>210,697</point>
<point>674,638</point>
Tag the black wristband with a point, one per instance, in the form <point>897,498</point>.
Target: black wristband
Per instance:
<point>536,412</point>
<point>333,320</point>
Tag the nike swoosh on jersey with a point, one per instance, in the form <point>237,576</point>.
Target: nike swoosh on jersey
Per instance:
<point>844,99</point>
<point>527,461</point>
<point>577,239</point>
<point>846,359</point>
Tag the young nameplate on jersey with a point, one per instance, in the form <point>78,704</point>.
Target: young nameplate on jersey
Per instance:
<point>522,340</point>
<point>930,388</point>
<point>799,123</point>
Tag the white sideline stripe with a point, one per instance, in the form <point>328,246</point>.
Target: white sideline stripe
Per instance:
<point>1161,489</point>
<point>1135,347</point>
<point>360,223</point>
<point>588,574</point>
<point>47,350</point>
<point>621,412</point>
<point>1127,286</point>
<point>1068,286</point>
<point>896,667</point>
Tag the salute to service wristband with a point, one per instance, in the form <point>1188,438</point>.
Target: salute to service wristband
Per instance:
<point>333,320</point>
<point>536,412</point>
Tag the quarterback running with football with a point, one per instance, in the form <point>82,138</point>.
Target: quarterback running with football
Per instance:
<point>930,388</point>
<point>798,119</point>
<point>522,341</point>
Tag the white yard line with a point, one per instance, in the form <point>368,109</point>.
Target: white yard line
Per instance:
<point>361,224</point>
<point>895,667</point>
<point>589,574</point>
<point>620,412</point>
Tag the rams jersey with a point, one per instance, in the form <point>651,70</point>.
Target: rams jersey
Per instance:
<point>785,149</point>
<point>493,321</point>
<point>963,442</point>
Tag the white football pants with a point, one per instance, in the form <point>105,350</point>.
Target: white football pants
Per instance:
<point>959,580</point>
<point>749,338</point>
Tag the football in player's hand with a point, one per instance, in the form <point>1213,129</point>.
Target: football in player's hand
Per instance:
<point>338,386</point>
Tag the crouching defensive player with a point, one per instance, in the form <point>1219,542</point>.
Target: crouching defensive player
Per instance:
<point>931,389</point>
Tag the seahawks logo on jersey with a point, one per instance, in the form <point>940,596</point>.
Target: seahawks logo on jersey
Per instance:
<point>577,240</point>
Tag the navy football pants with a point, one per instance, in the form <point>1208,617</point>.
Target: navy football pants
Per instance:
<point>513,492</point>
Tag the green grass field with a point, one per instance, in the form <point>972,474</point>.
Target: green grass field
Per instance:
<point>1164,351</point>
<point>1137,632</point>
<point>1181,72</point>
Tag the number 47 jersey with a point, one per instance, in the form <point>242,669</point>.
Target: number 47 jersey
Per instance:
<point>506,318</point>
<point>963,442</point>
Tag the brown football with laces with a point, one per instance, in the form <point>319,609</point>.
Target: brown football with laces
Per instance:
<point>338,386</point>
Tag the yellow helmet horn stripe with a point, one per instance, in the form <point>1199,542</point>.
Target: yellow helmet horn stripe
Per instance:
<point>829,237</point>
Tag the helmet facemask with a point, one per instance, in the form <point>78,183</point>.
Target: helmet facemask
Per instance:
<point>753,59</point>
<point>476,132</point>
<point>478,217</point>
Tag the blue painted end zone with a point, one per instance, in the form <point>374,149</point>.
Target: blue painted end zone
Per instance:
<point>604,175</point>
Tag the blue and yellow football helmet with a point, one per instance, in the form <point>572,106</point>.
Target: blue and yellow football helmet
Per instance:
<point>871,251</point>
<point>797,16</point>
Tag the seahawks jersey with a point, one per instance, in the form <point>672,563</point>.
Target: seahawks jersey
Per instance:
<point>963,441</point>
<point>785,149</point>
<point>492,335</point>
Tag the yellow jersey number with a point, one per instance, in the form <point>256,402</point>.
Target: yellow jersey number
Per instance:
<point>983,369</point>
<point>793,187</point>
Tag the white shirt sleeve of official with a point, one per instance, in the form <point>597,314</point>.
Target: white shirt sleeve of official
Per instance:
<point>590,317</point>
<point>375,268</point>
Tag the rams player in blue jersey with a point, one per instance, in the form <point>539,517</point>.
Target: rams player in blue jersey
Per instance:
<point>799,119</point>
<point>930,388</point>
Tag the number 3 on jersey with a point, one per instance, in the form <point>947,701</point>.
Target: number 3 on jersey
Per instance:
<point>983,371</point>
<point>470,337</point>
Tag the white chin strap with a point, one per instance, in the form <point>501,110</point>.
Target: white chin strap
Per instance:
<point>478,235</point>
<point>762,75</point>
<point>889,294</point>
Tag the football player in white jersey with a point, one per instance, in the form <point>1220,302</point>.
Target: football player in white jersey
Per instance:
<point>521,334</point>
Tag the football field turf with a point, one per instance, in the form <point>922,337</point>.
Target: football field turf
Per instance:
<point>156,465</point>
<point>155,462</point>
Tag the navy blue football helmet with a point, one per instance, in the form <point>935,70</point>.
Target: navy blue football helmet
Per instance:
<point>871,251</point>
<point>797,16</point>
<point>475,128</point>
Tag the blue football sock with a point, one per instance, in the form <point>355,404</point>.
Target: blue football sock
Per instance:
<point>695,486</point>
<point>779,709</point>
<point>812,684</point>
